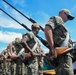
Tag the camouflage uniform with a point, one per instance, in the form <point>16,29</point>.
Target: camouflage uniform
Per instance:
<point>41,68</point>
<point>7,64</point>
<point>24,69</point>
<point>40,63</point>
<point>17,47</point>
<point>32,66</point>
<point>8,68</point>
<point>4,64</point>
<point>12,65</point>
<point>59,35</point>
<point>1,64</point>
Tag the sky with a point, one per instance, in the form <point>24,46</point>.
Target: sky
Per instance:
<point>38,10</point>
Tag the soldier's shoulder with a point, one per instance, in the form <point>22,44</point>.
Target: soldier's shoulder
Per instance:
<point>58,20</point>
<point>57,17</point>
<point>30,35</point>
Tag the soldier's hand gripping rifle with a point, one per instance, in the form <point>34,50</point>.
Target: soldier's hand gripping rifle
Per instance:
<point>30,19</point>
<point>42,40</point>
<point>58,52</point>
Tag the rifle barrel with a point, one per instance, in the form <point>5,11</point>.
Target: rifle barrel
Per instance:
<point>30,19</point>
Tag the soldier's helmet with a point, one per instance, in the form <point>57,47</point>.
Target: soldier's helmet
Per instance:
<point>17,39</point>
<point>35,25</point>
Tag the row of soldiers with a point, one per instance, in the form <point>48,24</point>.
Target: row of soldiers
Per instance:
<point>23,56</point>
<point>11,67</point>
<point>32,54</point>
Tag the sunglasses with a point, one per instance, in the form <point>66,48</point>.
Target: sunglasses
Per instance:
<point>69,16</point>
<point>66,14</point>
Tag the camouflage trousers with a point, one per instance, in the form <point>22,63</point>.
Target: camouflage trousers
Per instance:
<point>65,66</point>
<point>32,69</point>
<point>41,69</point>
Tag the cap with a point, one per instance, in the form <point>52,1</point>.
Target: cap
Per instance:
<point>68,13</point>
<point>36,25</point>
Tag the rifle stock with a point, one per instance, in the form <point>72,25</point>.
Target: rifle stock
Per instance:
<point>61,50</point>
<point>58,52</point>
<point>28,55</point>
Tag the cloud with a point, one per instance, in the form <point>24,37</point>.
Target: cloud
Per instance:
<point>21,3</point>
<point>7,37</point>
<point>7,22</point>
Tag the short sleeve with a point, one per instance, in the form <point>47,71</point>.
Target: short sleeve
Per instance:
<point>28,36</point>
<point>51,22</point>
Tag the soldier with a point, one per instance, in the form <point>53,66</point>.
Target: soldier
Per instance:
<point>57,35</point>
<point>1,61</point>
<point>7,61</point>
<point>15,47</point>
<point>32,46</point>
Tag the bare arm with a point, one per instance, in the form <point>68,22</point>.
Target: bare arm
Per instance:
<point>49,37</point>
<point>10,47</point>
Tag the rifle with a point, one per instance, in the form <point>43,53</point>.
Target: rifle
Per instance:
<point>24,55</point>
<point>30,19</point>
<point>42,40</point>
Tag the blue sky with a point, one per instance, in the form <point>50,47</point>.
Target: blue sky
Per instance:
<point>39,10</point>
